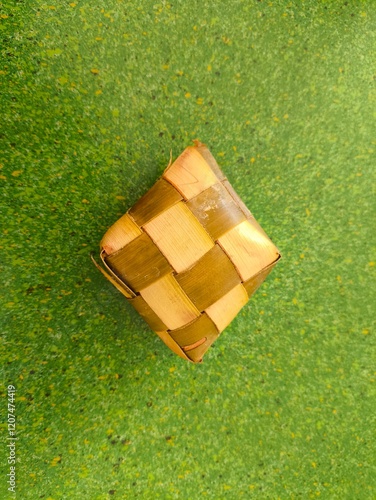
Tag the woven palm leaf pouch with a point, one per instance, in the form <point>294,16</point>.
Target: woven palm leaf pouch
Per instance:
<point>189,254</point>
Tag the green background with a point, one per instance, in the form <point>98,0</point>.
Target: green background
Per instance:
<point>94,95</point>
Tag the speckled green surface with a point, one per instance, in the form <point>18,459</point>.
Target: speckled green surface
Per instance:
<point>93,97</point>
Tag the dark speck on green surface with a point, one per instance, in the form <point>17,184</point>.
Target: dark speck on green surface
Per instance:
<point>94,95</point>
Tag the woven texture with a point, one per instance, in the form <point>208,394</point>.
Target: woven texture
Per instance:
<point>189,254</point>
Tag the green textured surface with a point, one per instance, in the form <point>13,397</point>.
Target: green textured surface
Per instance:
<point>93,97</point>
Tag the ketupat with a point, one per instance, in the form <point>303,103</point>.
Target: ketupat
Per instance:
<point>189,254</point>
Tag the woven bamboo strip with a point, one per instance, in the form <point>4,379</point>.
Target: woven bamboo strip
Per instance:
<point>253,222</point>
<point>125,290</point>
<point>216,210</point>
<point>248,248</point>
<point>120,234</point>
<point>199,328</point>
<point>170,303</point>
<point>237,199</point>
<point>158,199</point>
<point>179,236</point>
<point>190,347</point>
<point>202,329</point>
<point>139,263</point>
<point>209,158</point>
<point>151,318</point>
<point>253,283</point>
<point>190,173</point>
<point>209,278</point>
<point>170,342</point>
<point>227,307</point>
<point>196,354</point>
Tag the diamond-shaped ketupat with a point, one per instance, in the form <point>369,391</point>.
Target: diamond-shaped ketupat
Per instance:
<point>189,254</point>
